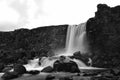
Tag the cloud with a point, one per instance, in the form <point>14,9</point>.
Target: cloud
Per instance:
<point>35,13</point>
<point>7,14</point>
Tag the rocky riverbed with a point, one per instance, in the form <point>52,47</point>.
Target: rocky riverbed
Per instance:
<point>89,73</point>
<point>65,76</point>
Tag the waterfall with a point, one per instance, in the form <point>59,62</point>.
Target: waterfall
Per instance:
<point>76,39</point>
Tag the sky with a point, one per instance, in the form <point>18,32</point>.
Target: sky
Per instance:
<point>15,14</point>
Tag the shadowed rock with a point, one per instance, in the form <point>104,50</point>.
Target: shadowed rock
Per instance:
<point>47,69</point>
<point>33,72</point>
<point>79,56</point>
<point>50,77</point>
<point>20,69</point>
<point>62,66</point>
<point>9,75</point>
<point>103,32</point>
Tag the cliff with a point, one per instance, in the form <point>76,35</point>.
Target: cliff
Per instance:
<point>103,32</point>
<point>24,44</point>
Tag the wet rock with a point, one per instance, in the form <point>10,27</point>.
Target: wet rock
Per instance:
<point>115,72</point>
<point>47,69</point>
<point>66,78</point>
<point>1,67</point>
<point>20,69</point>
<point>9,75</point>
<point>33,72</point>
<point>79,56</point>
<point>89,74</point>
<point>50,77</point>
<point>70,66</point>
<point>7,69</point>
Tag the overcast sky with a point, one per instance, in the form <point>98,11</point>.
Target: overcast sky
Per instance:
<point>34,13</point>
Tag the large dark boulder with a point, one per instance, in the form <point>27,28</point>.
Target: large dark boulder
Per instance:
<point>1,67</point>
<point>33,72</point>
<point>7,68</point>
<point>20,69</point>
<point>9,75</point>
<point>66,78</point>
<point>70,66</point>
<point>47,69</point>
<point>50,77</point>
<point>103,32</point>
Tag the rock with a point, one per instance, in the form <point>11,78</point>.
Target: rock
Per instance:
<point>70,66</point>
<point>50,77</point>
<point>9,75</point>
<point>47,69</point>
<point>7,69</point>
<point>103,32</point>
<point>20,69</point>
<point>1,67</point>
<point>115,72</point>
<point>33,72</point>
<point>66,78</point>
<point>79,56</point>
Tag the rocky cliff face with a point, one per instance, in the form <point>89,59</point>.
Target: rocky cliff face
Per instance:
<point>25,44</point>
<point>103,32</point>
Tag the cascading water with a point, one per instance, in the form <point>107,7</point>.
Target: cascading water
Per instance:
<point>75,41</point>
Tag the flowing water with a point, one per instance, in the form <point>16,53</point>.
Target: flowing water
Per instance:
<point>76,38</point>
<point>75,41</point>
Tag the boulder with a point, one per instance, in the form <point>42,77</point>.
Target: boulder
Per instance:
<point>47,69</point>
<point>70,66</point>
<point>50,77</point>
<point>1,67</point>
<point>115,72</point>
<point>9,75</point>
<point>33,72</point>
<point>65,78</point>
<point>79,56</point>
<point>7,69</point>
<point>20,69</point>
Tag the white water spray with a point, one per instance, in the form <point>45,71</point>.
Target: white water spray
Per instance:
<point>76,39</point>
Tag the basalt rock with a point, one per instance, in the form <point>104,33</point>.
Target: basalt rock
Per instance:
<point>70,66</point>
<point>50,77</point>
<point>103,32</point>
<point>47,69</point>
<point>20,69</point>
<point>9,75</point>
<point>1,67</point>
<point>7,69</point>
<point>33,72</point>
<point>79,56</point>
